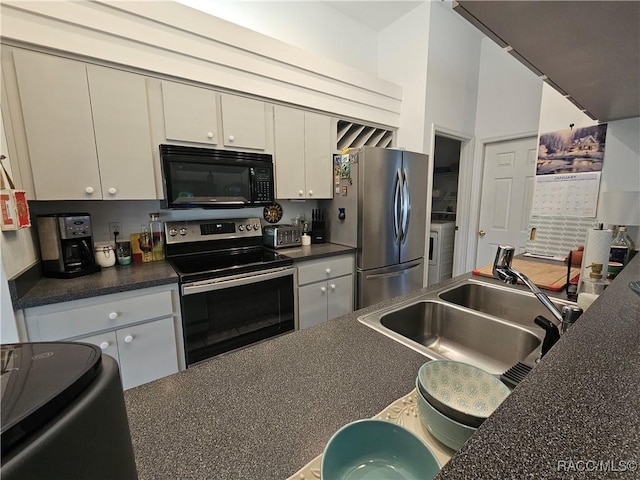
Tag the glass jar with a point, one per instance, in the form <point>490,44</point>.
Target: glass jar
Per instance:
<point>622,247</point>
<point>145,244</point>
<point>156,230</point>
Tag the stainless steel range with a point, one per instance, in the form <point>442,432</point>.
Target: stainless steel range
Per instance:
<point>233,291</point>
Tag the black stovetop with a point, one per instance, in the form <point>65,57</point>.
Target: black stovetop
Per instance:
<point>202,266</point>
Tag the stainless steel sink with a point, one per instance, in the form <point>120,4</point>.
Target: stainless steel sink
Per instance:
<point>503,302</point>
<point>479,323</point>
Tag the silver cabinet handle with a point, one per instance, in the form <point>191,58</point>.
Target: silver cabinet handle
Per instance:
<point>235,281</point>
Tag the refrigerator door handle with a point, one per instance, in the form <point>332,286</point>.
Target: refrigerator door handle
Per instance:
<point>406,204</point>
<point>393,274</point>
<point>397,200</point>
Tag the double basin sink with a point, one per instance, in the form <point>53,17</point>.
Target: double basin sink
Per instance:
<point>480,323</point>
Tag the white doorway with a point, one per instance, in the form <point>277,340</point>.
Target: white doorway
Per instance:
<point>444,206</point>
<point>506,196</point>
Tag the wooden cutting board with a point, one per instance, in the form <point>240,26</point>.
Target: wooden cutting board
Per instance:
<point>544,275</point>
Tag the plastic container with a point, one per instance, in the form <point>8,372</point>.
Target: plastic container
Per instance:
<point>156,230</point>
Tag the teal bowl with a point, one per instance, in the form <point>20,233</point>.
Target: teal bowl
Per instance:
<point>453,434</point>
<point>377,450</point>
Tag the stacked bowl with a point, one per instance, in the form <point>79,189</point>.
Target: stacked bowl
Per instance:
<point>454,398</point>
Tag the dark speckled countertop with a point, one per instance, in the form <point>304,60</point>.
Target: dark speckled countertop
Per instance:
<point>108,280</point>
<point>267,410</point>
<point>33,290</point>
<point>580,405</point>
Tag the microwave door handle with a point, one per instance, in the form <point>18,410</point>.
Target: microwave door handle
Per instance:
<point>252,184</point>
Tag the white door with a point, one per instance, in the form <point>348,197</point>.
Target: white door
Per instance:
<point>507,194</point>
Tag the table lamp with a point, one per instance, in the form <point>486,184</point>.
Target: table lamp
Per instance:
<point>620,208</point>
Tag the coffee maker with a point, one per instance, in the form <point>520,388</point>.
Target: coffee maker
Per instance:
<point>66,245</point>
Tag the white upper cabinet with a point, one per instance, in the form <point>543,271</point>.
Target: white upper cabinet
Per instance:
<point>243,122</point>
<point>121,124</point>
<point>86,128</point>
<point>204,116</point>
<point>56,108</point>
<point>303,154</point>
<point>190,113</point>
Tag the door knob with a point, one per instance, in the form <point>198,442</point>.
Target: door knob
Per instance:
<point>482,233</point>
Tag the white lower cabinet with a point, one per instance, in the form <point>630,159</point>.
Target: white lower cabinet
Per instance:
<point>142,351</point>
<point>140,330</point>
<point>325,290</point>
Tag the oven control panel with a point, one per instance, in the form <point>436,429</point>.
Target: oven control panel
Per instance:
<point>204,230</point>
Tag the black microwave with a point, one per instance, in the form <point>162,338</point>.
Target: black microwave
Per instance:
<point>209,178</point>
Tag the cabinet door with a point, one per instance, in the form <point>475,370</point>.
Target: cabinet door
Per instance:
<point>147,352</point>
<point>340,301</point>
<point>190,113</point>
<point>54,96</point>
<point>123,136</point>
<point>106,341</point>
<point>312,304</point>
<point>289,152</point>
<point>317,156</point>
<point>243,122</point>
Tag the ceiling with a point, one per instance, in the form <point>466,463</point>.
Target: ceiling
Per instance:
<point>588,50</point>
<point>376,15</point>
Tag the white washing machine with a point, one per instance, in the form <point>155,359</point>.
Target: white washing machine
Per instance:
<point>441,243</point>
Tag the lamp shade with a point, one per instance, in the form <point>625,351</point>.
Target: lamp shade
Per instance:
<point>619,208</point>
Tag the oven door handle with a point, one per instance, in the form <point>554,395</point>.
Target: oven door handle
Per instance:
<point>235,281</point>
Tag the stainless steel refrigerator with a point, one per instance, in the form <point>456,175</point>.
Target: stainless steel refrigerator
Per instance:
<point>379,207</point>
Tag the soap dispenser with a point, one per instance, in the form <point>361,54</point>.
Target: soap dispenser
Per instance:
<point>592,287</point>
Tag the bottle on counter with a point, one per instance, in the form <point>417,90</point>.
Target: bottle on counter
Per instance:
<point>146,246</point>
<point>622,247</point>
<point>156,230</point>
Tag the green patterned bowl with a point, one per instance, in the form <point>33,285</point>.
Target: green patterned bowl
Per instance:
<point>460,391</point>
<point>451,433</point>
<point>377,450</point>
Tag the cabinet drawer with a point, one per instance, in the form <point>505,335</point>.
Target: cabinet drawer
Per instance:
<point>82,317</point>
<point>318,270</point>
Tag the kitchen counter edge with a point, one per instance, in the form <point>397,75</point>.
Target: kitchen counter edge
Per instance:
<point>33,290</point>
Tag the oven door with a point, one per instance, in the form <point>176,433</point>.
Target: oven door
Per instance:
<point>220,315</point>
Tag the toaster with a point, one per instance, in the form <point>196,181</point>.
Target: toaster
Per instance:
<point>279,236</point>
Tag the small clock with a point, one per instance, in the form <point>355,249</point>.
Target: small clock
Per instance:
<point>272,213</point>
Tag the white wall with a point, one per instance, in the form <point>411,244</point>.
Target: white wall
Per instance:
<point>452,73</point>
<point>402,59</point>
<point>509,95</point>
<point>8,328</point>
<point>18,247</point>
<point>313,26</point>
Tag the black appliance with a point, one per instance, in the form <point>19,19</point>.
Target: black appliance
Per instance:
<point>66,245</point>
<point>63,413</point>
<point>233,291</point>
<point>209,178</point>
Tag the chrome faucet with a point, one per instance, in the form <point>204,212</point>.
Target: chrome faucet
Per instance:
<point>502,270</point>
